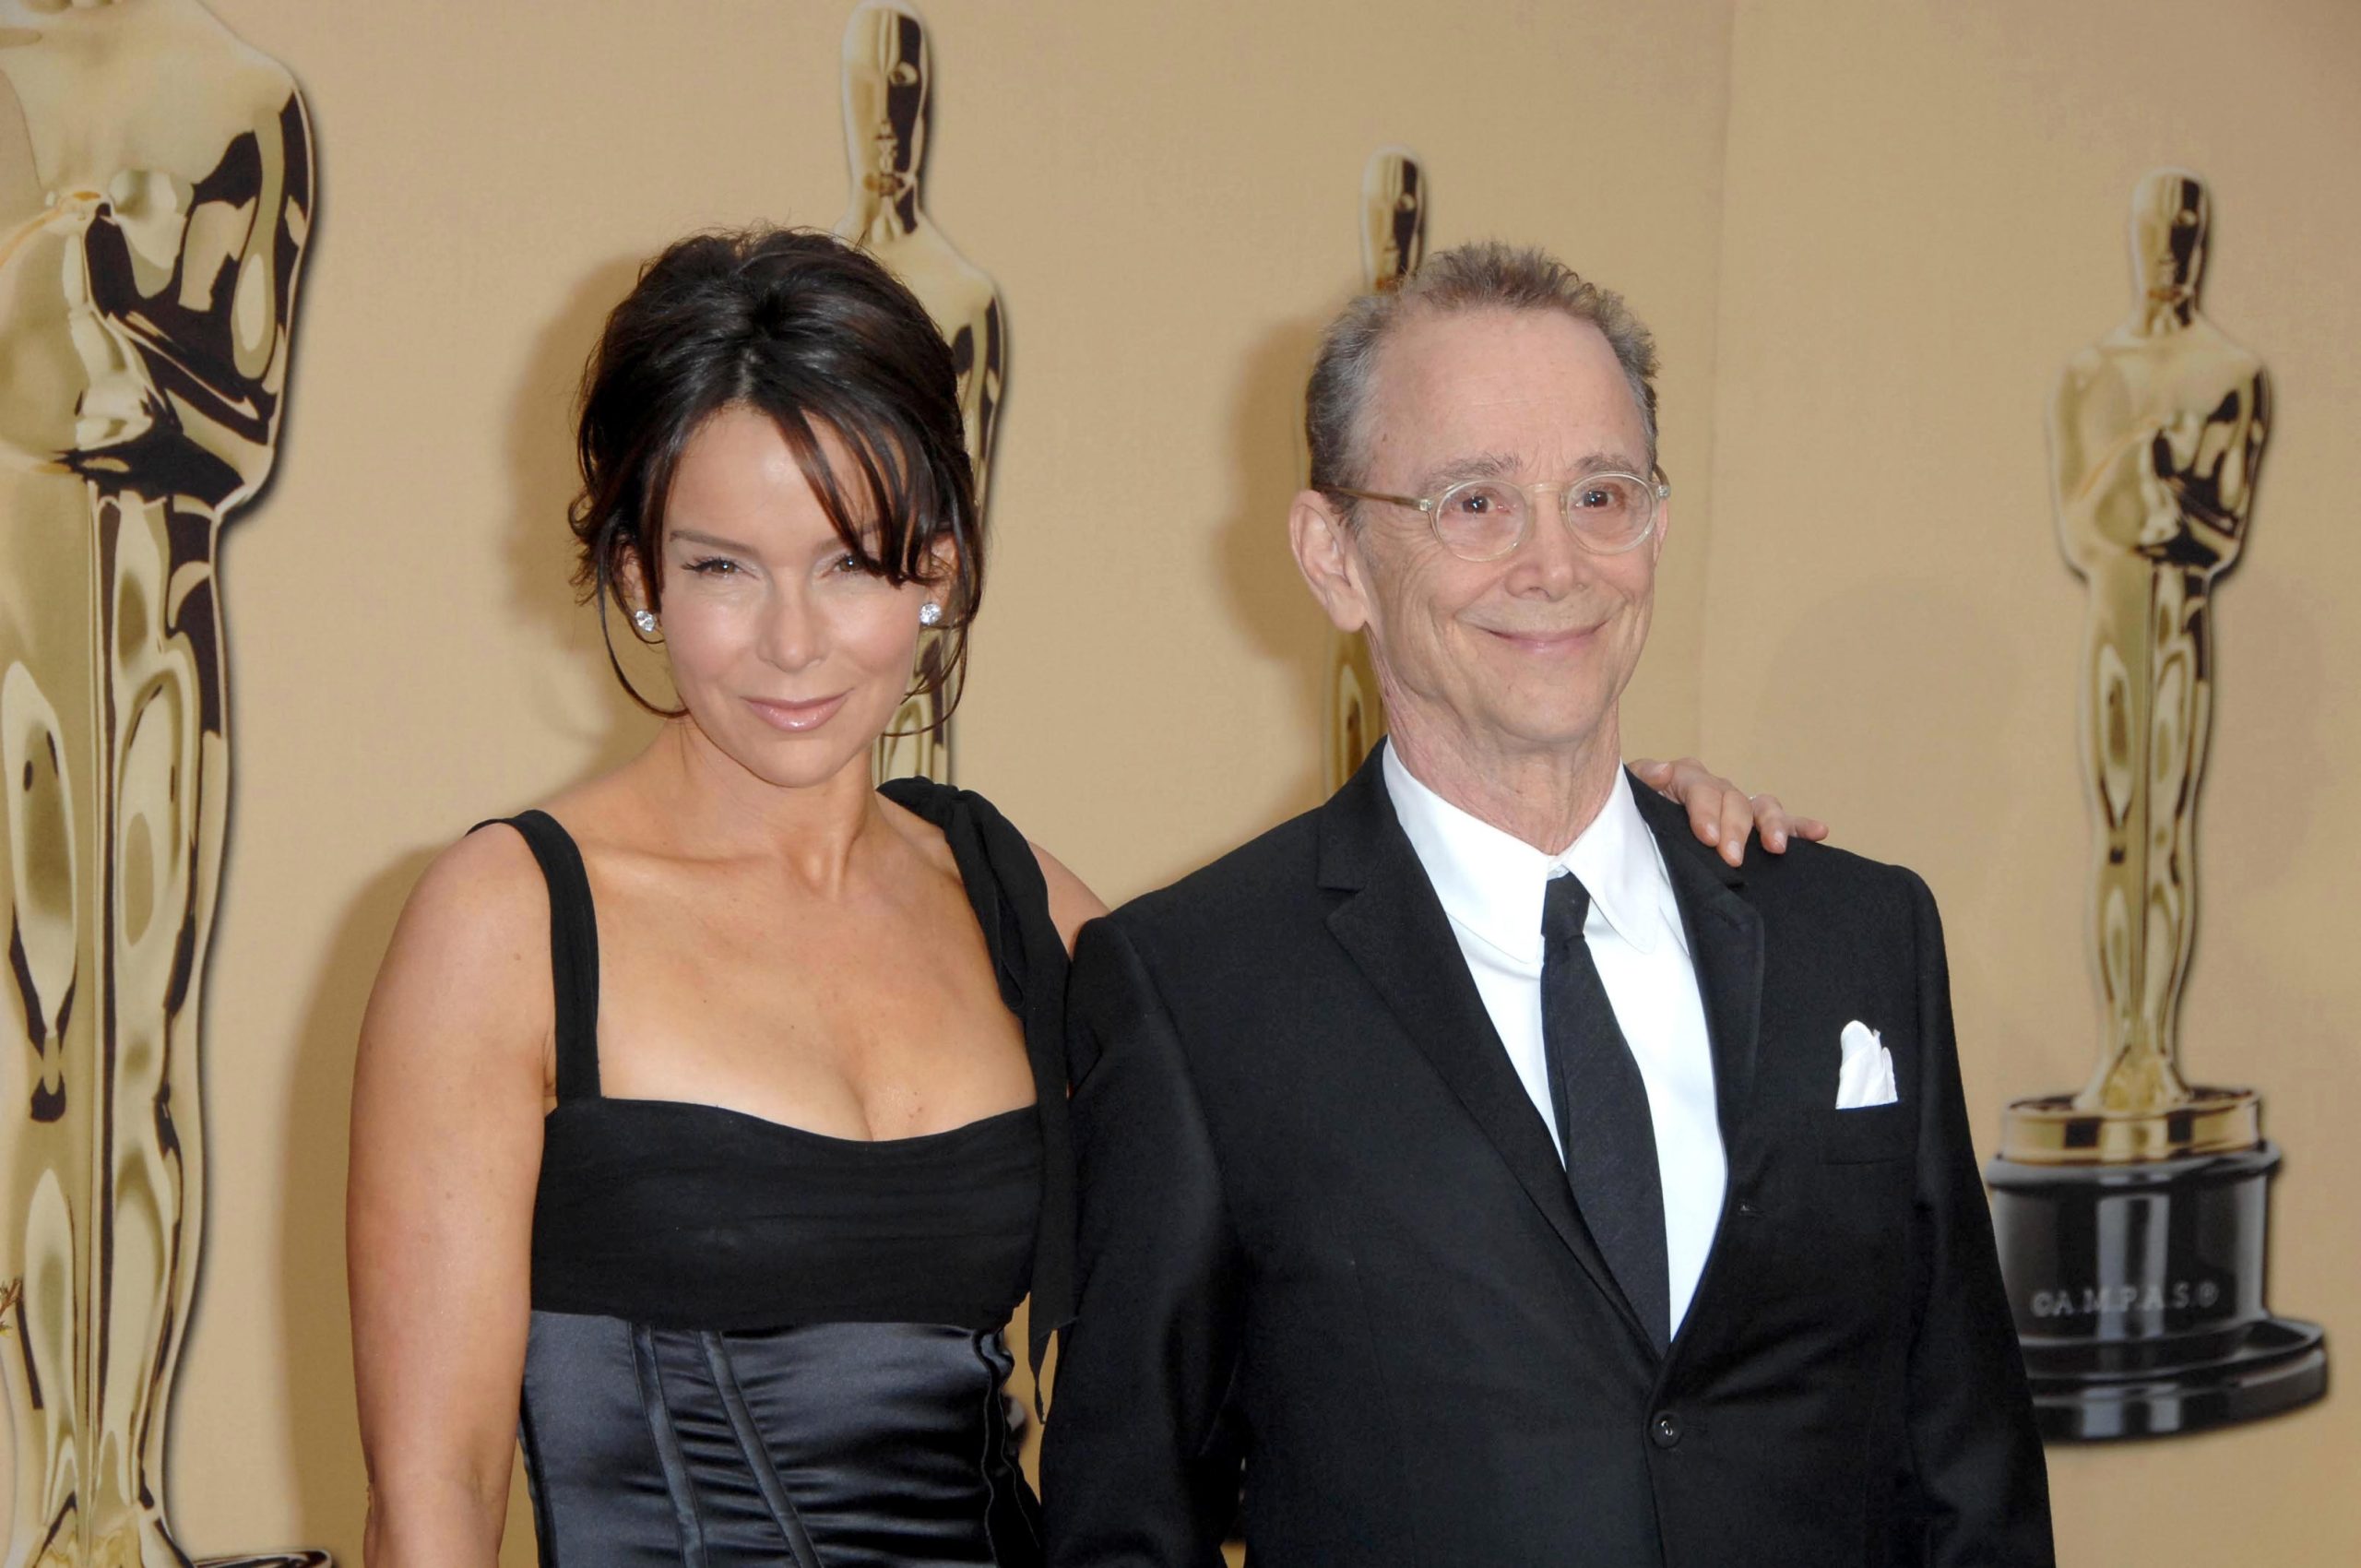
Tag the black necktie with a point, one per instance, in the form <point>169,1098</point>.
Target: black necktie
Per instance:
<point>1602,1104</point>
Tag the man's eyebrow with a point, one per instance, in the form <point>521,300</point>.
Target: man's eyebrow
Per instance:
<point>1620,462</point>
<point>1458,471</point>
<point>1502,465</point>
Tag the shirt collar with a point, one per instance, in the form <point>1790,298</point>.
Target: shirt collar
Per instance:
<point>1491,883</point>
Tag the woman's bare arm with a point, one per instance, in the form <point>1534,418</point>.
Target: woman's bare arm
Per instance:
<point>447,1098</point>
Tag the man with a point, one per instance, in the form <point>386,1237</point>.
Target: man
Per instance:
<point>1494,1173</point>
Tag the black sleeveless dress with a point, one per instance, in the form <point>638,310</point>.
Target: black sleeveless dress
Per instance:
<point>753,1344</point>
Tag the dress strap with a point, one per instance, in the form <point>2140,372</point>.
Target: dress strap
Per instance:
<point>1011,903</point>
<point>574,950</point>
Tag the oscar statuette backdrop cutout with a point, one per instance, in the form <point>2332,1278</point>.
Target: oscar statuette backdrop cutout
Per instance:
<point>1393,241</point>
<point>2130,1214</point>
<point>888,72</point>
<point>156,197</point>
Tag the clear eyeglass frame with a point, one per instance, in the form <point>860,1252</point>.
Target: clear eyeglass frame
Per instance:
<point>1652,492</point>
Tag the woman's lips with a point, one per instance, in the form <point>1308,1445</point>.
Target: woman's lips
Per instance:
<point>795,717</point>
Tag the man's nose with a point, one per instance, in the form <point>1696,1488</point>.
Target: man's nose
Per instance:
<point>1550,562</point>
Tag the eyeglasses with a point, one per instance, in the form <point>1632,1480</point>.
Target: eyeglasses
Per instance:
<point>1483,519</point>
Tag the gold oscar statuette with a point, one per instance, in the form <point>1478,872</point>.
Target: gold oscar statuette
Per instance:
<point>886,70</point>
<point>2130,1212</point>
<point>155,203</point>
<point>1393,241</point>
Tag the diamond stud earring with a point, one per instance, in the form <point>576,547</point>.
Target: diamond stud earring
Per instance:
<point>929,613</point>
<point>646,621</point>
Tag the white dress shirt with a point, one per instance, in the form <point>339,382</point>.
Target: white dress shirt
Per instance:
<point>1492,885</point>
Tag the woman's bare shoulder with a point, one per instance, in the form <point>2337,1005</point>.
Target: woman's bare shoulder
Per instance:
<point>1072,903</point>
<point>481,883</point>
<point>470,953</point>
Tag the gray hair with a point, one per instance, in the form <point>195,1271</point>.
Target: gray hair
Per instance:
<point>1486,275</point>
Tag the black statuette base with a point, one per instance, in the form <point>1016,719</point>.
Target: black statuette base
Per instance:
<point>2137,1295</point>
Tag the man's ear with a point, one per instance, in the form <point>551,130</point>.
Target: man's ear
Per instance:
<point>1329,558</point>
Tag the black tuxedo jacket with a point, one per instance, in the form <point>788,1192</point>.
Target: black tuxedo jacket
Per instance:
<point>1326,1236</point>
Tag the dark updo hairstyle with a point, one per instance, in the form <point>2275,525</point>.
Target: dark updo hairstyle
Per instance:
<point>803,327</point>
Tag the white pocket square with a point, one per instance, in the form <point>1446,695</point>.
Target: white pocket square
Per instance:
<point>1865,1076</point>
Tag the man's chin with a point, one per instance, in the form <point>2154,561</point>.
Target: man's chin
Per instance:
<point>1525,733</point>
<point>1548,714</point>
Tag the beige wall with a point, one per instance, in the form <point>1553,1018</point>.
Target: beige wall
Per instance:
<point>1168,198</point>
<point>1866,237</point>
<point>1925,218</point>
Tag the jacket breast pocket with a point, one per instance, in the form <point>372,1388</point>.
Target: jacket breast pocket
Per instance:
<point>1869,1134</point>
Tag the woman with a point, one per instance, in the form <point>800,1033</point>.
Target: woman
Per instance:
<point>713,1117</point>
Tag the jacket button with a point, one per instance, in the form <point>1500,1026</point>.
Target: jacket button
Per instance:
<point>1665,1430</point>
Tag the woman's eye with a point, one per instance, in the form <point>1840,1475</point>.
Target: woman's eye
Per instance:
<point>714,566</point>
<point>847,563</point>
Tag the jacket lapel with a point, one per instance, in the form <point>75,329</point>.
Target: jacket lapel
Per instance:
<point>1394,928</point>
<point>1724,945</point>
